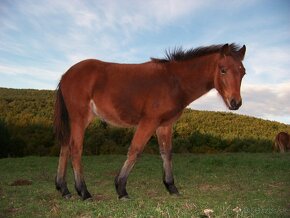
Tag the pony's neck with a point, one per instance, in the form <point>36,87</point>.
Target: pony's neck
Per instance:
<point>196,76</point>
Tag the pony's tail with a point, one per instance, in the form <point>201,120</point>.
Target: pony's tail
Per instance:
<point>61,119</point>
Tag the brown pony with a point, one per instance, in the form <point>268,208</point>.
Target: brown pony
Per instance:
<point>282,142</point>
<point>149,96</point>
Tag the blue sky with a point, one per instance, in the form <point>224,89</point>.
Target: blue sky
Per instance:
<point>40,40</point>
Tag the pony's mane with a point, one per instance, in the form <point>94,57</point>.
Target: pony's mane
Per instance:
<point>178,54</point>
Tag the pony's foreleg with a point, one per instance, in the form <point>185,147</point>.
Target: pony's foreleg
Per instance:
<point>76,148</point>
<point>143,133</point>
<point>164,135</point>
<point>60,181</point>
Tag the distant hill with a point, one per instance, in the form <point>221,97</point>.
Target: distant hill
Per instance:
<point>26,129</point>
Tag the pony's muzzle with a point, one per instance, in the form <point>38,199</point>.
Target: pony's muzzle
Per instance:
<point>235,104</point>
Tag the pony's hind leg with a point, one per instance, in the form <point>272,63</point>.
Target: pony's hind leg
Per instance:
<point>282,147</point>
<point>76,147</point>
<point>143,133</point>
<point>164,136</point>
<point>60,181</point>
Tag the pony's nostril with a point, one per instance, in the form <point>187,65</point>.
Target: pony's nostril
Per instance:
<point>234,104</point>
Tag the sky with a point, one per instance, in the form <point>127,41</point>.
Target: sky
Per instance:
<point>41,39</point>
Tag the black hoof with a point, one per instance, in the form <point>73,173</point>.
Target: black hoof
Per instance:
<point>62,188</point>
<point>120,185</point>
<point>83,192</point>
<point>86,196</point>
<point>171,188</point>
<point>67,196</point>
<point>174,191</point>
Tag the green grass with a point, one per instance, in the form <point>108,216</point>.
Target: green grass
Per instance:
<point>259,184</point>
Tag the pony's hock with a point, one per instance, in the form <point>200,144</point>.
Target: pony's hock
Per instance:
<point>150,96</point>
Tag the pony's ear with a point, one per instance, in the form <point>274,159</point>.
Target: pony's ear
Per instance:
<point>241,52</point>
<point>225,50</point>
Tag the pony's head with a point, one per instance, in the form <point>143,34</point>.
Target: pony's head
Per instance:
<point>229,73</point>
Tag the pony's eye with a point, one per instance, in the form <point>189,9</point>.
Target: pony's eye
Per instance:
<point>223,71</point>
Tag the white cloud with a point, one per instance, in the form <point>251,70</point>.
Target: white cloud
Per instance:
<point>264,101</point>
<point>267,100</point>
<point>29,71</point>
<point>269,64</point>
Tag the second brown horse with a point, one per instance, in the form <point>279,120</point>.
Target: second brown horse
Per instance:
<point>150,96</point>
<point>282,142</point>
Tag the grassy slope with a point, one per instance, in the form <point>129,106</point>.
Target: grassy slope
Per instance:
<point>28,116</point>
<point>257,183</point>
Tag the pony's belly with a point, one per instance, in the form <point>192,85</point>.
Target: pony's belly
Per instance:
<point>109,115</point>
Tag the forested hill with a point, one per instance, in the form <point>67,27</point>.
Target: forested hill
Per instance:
<point>26,129</point>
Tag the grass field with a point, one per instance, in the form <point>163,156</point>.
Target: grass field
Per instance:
<point>258,184</point>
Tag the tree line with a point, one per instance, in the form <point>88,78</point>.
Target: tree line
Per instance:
<point>26,128</point>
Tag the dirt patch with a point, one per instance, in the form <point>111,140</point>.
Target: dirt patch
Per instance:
<point>207,187</point>
<point>10,211</point>
<point>276,185</point>
<point>152,194</point>
<point>274,188</point>
<point>21,182</point>
<point>100,197</point>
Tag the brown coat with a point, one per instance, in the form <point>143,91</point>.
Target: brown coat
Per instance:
<point>282,142</point>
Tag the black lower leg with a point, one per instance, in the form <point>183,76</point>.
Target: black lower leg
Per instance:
<point>171,188</point>
<point>61,186</point>
<point>82,190</point>
<point>120,185</point>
